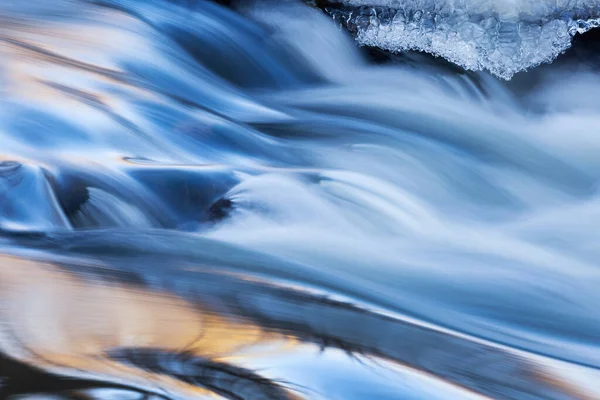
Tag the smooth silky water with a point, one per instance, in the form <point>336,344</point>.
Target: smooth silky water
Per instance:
<point>201,202</point>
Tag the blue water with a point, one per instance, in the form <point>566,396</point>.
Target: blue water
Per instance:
<point>200,202</point>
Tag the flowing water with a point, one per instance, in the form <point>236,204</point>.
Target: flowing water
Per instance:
<point>198,202</point>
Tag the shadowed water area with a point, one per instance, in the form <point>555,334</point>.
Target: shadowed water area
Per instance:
<point>242,201</point>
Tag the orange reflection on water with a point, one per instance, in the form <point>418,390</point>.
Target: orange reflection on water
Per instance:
<point>61,322</point>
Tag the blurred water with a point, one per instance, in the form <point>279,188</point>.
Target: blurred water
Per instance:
<point>199,203</point>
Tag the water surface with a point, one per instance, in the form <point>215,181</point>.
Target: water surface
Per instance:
<point>199,202</point>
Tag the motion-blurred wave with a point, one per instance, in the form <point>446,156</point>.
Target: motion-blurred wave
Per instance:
<point>197,202</point>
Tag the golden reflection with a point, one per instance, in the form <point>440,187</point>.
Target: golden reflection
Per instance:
<point>552,379</point>
<point>63,321</point>
<point>87,40</point>
<point>85,54</point>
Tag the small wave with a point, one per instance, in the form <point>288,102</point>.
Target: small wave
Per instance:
<point>503,37</point>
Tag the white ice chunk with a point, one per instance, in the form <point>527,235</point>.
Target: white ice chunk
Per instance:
<point>501,36</point>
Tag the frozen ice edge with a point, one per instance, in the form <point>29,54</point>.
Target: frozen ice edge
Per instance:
<point>499,43</point>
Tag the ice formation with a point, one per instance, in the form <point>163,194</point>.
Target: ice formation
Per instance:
<point>503,37</point>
